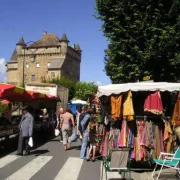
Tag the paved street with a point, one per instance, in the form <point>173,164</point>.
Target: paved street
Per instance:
<point>49,162</point>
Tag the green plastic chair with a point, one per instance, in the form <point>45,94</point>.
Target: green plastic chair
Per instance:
<point>117,161</point>
<point>167,160</point>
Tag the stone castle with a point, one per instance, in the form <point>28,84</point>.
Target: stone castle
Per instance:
<point>47,58</point>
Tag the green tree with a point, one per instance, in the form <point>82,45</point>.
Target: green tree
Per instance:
<point>83,90</point>
<point>144,39</point>
<point>2,107</point>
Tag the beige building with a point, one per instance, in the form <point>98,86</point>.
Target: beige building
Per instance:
<point>46,58</point>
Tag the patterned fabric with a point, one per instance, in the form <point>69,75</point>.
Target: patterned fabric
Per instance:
<point>123,135</point>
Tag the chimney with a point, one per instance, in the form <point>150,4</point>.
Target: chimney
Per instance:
<point>44,33</point>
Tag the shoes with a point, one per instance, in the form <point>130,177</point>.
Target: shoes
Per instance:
<point>93,160</point>
<point>19,154</point>
<point>88,159</point>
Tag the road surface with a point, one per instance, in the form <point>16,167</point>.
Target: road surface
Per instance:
<point>48,161</point>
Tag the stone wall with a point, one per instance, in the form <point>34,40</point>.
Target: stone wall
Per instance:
<point>35,70</point>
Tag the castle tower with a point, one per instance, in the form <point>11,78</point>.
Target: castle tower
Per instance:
<point>20,45</point>
<point>64,44</point>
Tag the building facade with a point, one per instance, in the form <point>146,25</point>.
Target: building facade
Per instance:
<point>46,58</point>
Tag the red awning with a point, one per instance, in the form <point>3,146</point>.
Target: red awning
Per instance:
<point>13,93</point>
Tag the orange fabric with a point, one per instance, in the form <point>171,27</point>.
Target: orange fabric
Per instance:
<point>167,131</point>
<point>176,113</point>
<point>116,107</point>
<point>128,109</point>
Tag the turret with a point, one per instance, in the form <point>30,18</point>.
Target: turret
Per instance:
<point>64,44</point>
<point>78,49</point>
<point>20,45</point>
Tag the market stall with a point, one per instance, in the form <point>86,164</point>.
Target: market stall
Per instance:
<point>17,96</point>
<point>139,116</point>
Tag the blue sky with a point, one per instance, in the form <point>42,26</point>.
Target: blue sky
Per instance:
<point>31,18</point>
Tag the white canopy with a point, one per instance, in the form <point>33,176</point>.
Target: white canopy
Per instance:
<point>78,101</point>
<point>140,86</point>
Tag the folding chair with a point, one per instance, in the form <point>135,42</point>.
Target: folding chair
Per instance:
<point>169,161</point>
<point>117,161</point>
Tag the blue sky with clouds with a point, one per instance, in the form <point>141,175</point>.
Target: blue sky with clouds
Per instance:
<point>31,18</point>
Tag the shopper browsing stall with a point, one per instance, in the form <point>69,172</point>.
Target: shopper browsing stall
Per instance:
<point>92,129</point>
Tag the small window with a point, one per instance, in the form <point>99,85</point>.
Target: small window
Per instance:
<point>37,65</point>
<point>33,78</point>
<point>52,74</point>
<point>49,64</point>
<point>27,65</point>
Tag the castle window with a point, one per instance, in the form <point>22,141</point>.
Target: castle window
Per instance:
<point>33,77</point>
<point>27,65</point>
<point>37,65</point>
<point>49,64</point>
<point>52,74</point>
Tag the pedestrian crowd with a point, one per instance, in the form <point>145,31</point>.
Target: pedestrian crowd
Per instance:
<point>70,127</point>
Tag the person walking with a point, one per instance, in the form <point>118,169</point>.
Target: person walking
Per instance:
<point>84,130</point>
<point>67,126</point>
<point>59,122</point>
<point>26,131</point>
<point>45,124</point>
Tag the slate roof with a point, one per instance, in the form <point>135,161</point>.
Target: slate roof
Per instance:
<point>14,56</point>
<point>56,63</point>
<point>64,38</point>
<point>21,42</point>
<point>46,41</point>
<point>77,47</point>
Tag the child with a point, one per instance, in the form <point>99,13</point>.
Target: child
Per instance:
<point>92,129</point>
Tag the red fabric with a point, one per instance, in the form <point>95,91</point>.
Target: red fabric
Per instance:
<point>154,104</point>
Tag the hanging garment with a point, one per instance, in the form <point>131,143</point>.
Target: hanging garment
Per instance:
<point>168,138</point>
<point>150,135</point>
<point>116,107</point>
<point>128,109</point>
<point>123,135</point>
<point>158,142</point>
<point>153,104</point>
<point>176,113</point>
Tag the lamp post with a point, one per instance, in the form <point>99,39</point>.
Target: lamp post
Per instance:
<point>33,56</point>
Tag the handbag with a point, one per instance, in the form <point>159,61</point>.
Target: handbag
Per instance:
<point>57,132</point>
<point>30,143</point>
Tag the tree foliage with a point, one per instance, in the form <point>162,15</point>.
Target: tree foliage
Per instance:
<point>78,90</point>
<point>83,90</point>
<point>2,108</point>
<point>144,39</point>
<point>63,81</point>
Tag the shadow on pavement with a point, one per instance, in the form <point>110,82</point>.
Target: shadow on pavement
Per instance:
<point>39,152</point>
<point>76,147</point>
<point>9,146</point>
